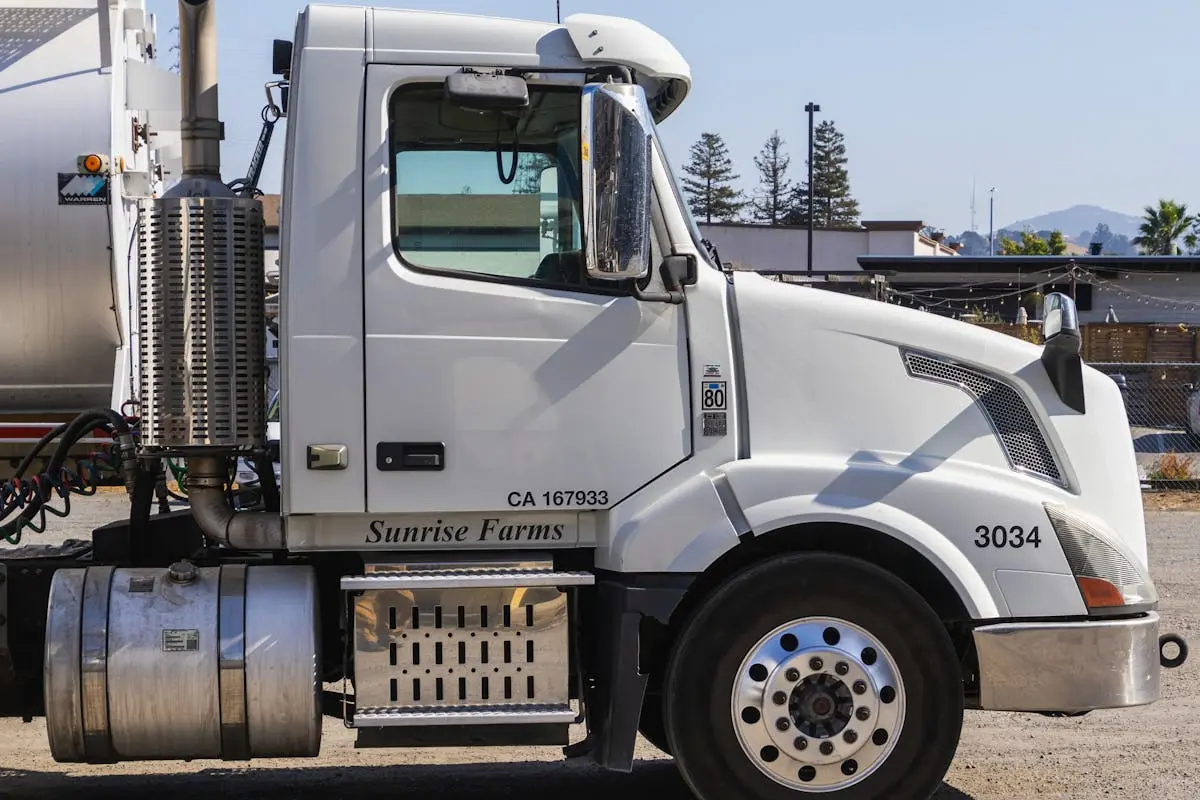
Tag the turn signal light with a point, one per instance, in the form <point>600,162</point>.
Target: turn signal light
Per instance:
<point>1099,593</point>
<point>93,164</point>
<point>1107,576</point>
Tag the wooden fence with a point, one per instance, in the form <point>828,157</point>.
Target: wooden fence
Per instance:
<point>1160,365</point>
<point>1124,344</point>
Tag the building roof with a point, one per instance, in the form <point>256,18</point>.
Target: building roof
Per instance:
<point>907,226</point>
<point>1003,264</point>
<point>270,204</point>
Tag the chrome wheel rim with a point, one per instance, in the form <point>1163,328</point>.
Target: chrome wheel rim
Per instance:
<point>818,704</point>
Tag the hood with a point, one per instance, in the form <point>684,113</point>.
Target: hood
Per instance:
<point>853,381</point>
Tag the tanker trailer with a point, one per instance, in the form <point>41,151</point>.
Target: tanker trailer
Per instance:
<point>89,123</point>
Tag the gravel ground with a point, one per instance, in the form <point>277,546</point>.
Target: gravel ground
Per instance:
<point>1145,752</point>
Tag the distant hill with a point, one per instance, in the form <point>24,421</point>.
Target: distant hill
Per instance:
<point>1076,219</point>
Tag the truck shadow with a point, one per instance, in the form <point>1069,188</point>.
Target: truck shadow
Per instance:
<point>528,781</point>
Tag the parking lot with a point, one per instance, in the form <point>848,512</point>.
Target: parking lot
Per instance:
<point>1146,752</point>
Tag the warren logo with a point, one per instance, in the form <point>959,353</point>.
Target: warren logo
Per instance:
<point>82,190</point>
<point>489,530</point>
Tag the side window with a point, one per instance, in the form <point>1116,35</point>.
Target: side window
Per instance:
<point>488,194</point>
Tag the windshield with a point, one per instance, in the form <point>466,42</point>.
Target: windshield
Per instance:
<point>489,193</point>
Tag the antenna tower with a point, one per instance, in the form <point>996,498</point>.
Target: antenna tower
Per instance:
<point>974,227</point>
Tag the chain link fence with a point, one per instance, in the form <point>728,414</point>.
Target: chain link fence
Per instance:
<point>1162,402</point>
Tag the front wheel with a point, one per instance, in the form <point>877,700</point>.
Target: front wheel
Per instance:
<point>814,673</point>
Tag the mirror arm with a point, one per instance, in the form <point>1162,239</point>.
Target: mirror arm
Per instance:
<point>673,297</point>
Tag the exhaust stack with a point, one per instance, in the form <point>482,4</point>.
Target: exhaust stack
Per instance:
<point>201,127</point>
<point>202,327</point>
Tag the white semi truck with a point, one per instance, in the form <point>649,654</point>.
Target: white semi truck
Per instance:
<point>546,462</point>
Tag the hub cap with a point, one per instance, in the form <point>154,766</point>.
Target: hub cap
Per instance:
<point>818,704</point>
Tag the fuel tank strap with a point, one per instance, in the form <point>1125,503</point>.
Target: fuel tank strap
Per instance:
<point>97,735</point>
<point>235,738</point>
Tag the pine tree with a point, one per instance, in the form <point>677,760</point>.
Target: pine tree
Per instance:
<point>773,198</point>
<point>833,204</point>
<point>1056,244</point>
<point>709,181</point>
<point>529,173</point>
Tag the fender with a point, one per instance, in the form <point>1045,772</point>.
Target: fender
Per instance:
<point>936,510</point>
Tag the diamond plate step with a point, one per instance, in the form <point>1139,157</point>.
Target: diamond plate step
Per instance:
<point>465,715</point>
<point>465,579</point>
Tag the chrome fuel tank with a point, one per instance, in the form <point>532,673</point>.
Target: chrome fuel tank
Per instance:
<point>186,663</point>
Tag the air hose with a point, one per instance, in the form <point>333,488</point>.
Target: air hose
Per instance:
<point>31,496</point>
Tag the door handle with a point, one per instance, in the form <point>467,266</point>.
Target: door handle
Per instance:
<point>410,456</point>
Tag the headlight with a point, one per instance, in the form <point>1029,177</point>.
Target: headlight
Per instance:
<point>1107,577</point>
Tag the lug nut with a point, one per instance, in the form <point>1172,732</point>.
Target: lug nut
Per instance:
<point>780,698</point>
<point>792,675</point>
<point>849,767</point>
<point>801,743</point>
<point>816,664</point>
<point>860,687</point>
<point>863,713</point>
<point>842,668</point>
<point>782,723</point>
<point>826,748</point>
<point>850,736</point>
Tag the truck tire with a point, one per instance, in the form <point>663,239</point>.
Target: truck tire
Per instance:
<point>814,673</point>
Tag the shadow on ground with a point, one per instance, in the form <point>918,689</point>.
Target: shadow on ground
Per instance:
<point>528,781</point>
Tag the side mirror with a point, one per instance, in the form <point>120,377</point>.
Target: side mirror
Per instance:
<point>1061,320</point>
<point>616,182</point>
<point>281,57</point>
<point>1060,354</point>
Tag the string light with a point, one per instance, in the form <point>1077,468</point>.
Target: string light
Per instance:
<point>939,299</point>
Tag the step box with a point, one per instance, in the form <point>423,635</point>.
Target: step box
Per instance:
<point>446,646</point>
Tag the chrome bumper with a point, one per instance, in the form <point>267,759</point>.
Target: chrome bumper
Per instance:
<point>1068,667</point>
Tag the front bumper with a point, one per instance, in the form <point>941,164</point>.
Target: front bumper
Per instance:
<point>1068,667</point>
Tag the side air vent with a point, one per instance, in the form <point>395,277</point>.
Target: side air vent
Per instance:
<point>1011,419</point>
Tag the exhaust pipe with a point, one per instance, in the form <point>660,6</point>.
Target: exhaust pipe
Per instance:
<point>202,130</point>
<point>259,530</point>
<point>202,263</point>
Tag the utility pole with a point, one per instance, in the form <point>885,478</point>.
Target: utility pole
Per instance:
<point>992,221</point>
<point>811,108</point>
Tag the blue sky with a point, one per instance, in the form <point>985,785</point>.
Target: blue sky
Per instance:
<point>1053,103</point>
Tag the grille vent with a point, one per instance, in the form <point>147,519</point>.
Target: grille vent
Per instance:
<point>1013,422</point>
<point>201,327</point>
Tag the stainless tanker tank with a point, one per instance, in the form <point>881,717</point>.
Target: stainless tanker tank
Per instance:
<point>68,89</point>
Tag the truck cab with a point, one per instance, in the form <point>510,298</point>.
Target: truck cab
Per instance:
<point>545,461</point>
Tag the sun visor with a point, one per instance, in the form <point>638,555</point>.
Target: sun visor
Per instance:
<point>658,67</point>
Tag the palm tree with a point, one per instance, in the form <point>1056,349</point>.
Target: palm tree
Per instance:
<point>1162,226</point>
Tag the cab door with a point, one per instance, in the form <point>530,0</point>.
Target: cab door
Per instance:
<point>498,377</point>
